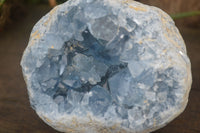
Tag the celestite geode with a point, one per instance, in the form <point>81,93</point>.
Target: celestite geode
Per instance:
<point>106,66</point>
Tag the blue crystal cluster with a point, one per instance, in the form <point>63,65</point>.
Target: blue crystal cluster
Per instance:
<point>113,65</point>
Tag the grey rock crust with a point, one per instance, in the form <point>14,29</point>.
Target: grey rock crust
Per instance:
<point>95,66</point>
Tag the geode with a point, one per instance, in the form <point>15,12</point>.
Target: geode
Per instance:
<point>95,66</point>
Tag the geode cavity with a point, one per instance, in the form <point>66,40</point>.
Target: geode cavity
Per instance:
<point>106,66</point>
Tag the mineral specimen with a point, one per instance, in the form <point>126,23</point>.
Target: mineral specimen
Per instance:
<point>107,66</point>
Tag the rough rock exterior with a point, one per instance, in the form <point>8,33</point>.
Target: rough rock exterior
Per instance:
<point>106,66</point>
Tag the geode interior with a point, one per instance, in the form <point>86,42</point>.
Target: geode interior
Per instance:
<point>106,66</point>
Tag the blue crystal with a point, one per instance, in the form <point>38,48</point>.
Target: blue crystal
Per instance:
<point>99,100</point>
<point>106,64</point>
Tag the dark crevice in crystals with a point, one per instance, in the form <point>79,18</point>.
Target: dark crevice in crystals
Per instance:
<point>61,91</point>
<point>112,70</point>
<point>127,106</point>
<point>116,68</point>
<point>85,87</point>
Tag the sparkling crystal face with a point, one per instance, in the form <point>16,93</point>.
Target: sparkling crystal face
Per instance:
<point>117,66</point>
